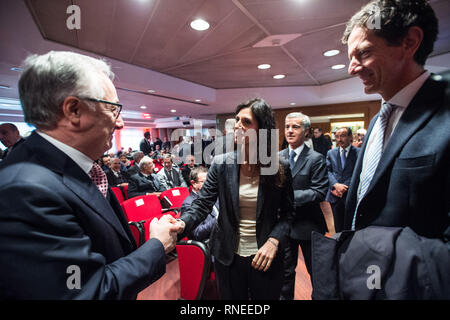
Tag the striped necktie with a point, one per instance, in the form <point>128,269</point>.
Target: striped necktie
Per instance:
<point>374,152</point>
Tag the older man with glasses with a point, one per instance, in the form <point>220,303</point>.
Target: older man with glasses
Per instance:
<point>62,233</point>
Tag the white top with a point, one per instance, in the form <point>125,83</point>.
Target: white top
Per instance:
<point>248,195</point>
<point>78,157</point>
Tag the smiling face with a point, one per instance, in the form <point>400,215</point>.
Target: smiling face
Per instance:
<point>378,65</point>
<point>295,132</point>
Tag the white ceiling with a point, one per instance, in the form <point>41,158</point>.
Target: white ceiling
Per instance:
<point>150,46</point>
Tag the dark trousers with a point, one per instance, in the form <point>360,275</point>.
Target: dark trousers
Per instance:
<point>338,214</point>
<point>240,281</point>
<point>290,264</point>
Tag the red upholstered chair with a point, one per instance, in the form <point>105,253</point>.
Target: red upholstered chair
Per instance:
<point>118,193</point>
<point>142,208</point>
<point>137,228</point>
<point>125,192</point>
<point>194,261</point>
<point>176,196</point>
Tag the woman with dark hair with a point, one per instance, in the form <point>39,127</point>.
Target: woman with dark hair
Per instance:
<point>255,209</point>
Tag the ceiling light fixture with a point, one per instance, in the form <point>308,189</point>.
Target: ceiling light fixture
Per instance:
<point>292,103</point>
<point>331,53</point>
<point>264,66</point>
<point>198,100</point>
<point>279,76</point>
<point>16,69</point>
<point>199,25</point>
<point>151,91</point>
<point>173,110</point>
<point>338,66</point>
<point>4,87</point>
<point>143,107</point>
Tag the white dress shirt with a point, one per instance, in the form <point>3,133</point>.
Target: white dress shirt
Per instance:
<point>297,150</point>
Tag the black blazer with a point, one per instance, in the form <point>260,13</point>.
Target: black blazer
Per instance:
<point>411,186</point>
<point>52,216</point>
<point>337,174</point>
<point>310,184</point>
<point>114,181</point>
<point>140,185</point>
<point>273,213</point>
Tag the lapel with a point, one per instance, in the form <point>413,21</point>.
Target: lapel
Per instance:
<point>77,181</point>
<point>232,177</point>
<point>338,159</point>
<point>301,161</point>
<point>421,108</point>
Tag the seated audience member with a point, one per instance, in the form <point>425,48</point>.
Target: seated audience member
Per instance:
<point>124,161</point>
<point>165,144</point>
<point>186,170</point>
<point>117,177</point>
<point>145,181</point>
<point>10,137</point>
<point>137,156</point>
<point>170,177</point>
<point>106,162</point>
<point>156,154</point>
<point>201,233</point>
<point>63,234</point>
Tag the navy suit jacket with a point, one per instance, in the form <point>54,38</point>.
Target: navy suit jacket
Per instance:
<point>411,185</point>
<point>273,212</point>
<point>139,185</point>
<point>53,217</point>
<point>203,230</point>
<point>337,174</point>
<point>310,184</point>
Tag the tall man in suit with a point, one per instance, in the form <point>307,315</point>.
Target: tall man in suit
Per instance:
<point>401,177</point>
<point>10,137</point>
<point>146,144</point>
<point>63,234</point>
<point>310,184</point>
<point>340,163</point>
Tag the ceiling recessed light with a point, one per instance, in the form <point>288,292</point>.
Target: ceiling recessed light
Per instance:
<point>143,107</point>
<point>173,110</point>
<point>151,91</point>
<point>264,66</point>
<point>199,25</point>
<point>279,76</point>
<point>198,100</point>
<point>338,66</point>
<point>331,53</point>
<point>4,87</point>
<point>147,116</point>
<point>16,69</point>
<point>292,103</point>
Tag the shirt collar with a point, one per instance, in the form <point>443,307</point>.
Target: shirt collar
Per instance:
<point>78,157</point>
<point>404,97</point>
<point>297,150</point>
<point>346,149</point>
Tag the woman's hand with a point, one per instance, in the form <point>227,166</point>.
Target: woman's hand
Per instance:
<point>265,255</point>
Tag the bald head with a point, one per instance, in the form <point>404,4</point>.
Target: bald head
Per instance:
<point>9,134</point>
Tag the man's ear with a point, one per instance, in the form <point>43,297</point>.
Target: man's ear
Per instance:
<point>412,40</point>
<point>72,110</point>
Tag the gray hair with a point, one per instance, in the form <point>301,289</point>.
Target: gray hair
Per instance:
<point>306,122</point>
<point>167,156</point>
<point>50,78</point>
<point>145,160</point>
<point>137,155</point>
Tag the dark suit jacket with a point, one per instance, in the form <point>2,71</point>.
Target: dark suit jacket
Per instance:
<point>310,184</point>
<point>411,186</point>
<point>145,146</point>
<point>52,216</point>
<point>140,185</point>
<point>203,230</point>
<point>8,150</point>
<point>273,213</point>
<point>114,181</point>
<point>337,174</point>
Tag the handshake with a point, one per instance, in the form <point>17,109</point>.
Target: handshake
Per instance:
<point>166,230</point>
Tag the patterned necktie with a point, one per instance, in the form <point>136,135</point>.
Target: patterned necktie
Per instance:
<point>291,159</point>
<point>374,151</point>
<point>98,176</point>
<point>343,158</point>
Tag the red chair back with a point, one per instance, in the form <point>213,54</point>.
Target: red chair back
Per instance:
<point>125,192</point>
<point>142,208</point>
<point>158,166</point>
<point>175,195</point>
<point>194,261</point>
<point>137,229</point>
<point>118,193</point>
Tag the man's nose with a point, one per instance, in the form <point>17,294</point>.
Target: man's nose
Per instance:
<point>119,122</point>
<point>354,67</point>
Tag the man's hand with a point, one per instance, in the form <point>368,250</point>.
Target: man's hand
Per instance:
<point>340,189</point>
<point>165,230</point>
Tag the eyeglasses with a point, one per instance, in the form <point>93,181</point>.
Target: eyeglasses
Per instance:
<point>117,107</point>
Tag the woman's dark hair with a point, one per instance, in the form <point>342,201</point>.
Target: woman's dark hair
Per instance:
<point>264,116</point>
<point>395,17</point>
